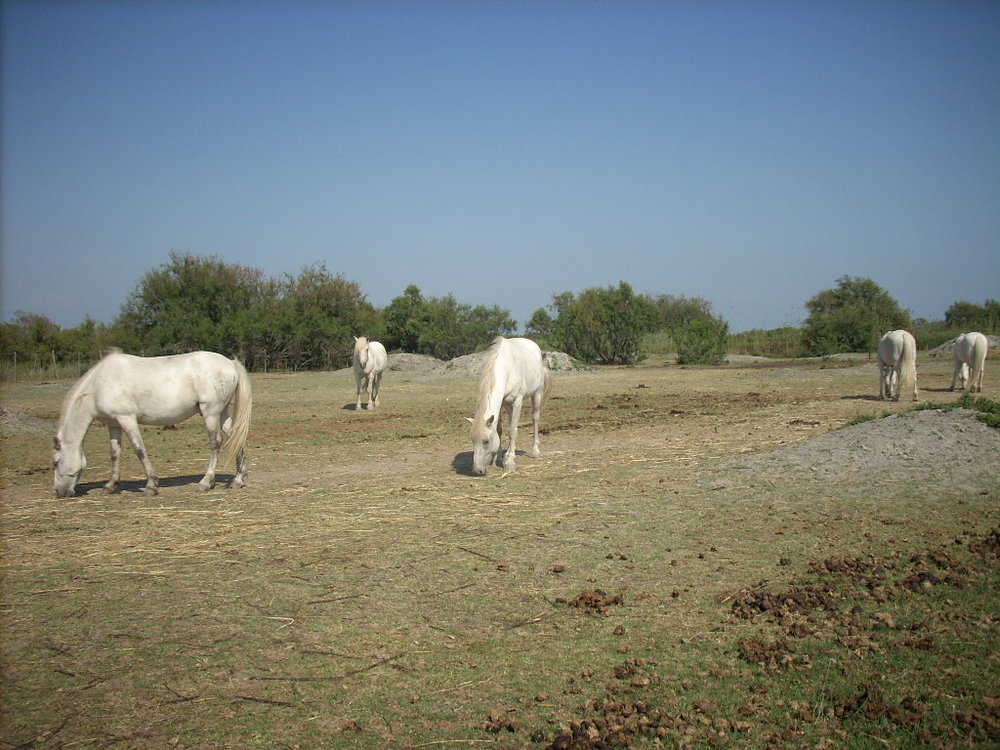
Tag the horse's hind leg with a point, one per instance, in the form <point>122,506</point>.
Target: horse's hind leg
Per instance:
<point>115,437</point>
<point>213,423</point>
<point>241,471</point>
<point>131,428</point>
<point>536,414</point>
<point>239,479</point>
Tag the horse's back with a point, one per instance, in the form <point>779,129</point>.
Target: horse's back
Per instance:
<point>378,356</point>
<point>525,365</point>
<point>163,389</point>
<point>971,346</point>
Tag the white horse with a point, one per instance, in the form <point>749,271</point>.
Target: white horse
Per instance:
<point>370,361</point>
<point>123,391</point>
<point>970,361</point>
<point>514,369</point>
<point>897,362</point>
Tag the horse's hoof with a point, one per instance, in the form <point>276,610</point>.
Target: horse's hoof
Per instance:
<point>112,489</point>
<point>150,491</point>
<point>202,487</point>
<point>237,484</point>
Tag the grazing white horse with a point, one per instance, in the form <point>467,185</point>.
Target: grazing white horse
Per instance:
<point>123,392</point>
<point>970,361</point>
<point>370,361</point>
<point>897,363</point>
<point>514,369</point>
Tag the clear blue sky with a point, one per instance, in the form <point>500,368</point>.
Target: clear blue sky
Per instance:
<point>750,153</point>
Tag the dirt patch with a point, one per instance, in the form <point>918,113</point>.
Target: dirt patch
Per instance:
<point>14,422</point>
<point>936,446</point>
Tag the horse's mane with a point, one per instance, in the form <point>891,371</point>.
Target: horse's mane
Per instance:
<point>82,383</point>
<point>486,382</point>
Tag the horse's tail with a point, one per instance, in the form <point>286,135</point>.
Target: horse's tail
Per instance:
<point>979,353</point>
<point>240,408</point>
<point>908,364</point>
<point>546,380</point>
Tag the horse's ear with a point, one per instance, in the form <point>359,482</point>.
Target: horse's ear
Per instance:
<point>470,419</point>
<point>56,443</point>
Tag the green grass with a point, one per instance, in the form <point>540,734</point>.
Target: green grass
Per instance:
<point>987,410</point>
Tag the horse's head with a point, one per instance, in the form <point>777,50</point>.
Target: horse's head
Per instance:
<point>485,445</point>
<point>69,465</point>
<point>361,350</point>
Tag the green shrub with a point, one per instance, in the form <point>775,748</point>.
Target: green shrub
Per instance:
<point>702,342</point>
<point>602,325</point>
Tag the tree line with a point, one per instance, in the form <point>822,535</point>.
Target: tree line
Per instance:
<point>307,322</point>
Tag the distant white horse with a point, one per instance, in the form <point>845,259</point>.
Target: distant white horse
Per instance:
<point>970,361</point>
<point>514,369</point>
<point>370,361</point>
<point>123,392</point>
<point>897,363</point>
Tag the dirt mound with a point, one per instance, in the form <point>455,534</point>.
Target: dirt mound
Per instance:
<point>471,365</point>
<point>402,362</point>
<point>932,445</point>
<point>14,422</point>
<point>947,348</point>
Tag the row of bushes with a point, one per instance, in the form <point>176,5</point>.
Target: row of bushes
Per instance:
<point>308,322</point>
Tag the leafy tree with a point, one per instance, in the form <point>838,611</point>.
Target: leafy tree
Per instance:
<point>442,327</point>
<point>321,313</point>
<point>29,337</point>
<point>674,313</point>
<point>968,316</point>
<point>541,324</point>
<point>851,317</point>
<point>401,316</point>
<point>185,304</point>
<point>602,325</point>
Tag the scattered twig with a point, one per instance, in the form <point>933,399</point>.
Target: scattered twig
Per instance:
<point>180,697</point>
<point>479,554</point>
<point>335,599</point>
<point>310,678</point>
<point>528,621</point>
<point>263,700</point>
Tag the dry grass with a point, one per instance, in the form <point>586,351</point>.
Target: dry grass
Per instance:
<point>364,591</point>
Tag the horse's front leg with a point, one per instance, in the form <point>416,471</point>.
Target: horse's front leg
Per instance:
<point>362,388</point>
<point>115,437</point>
<point>131,428</point>
<point>213,424</point>
<point>514,412</point>
<point>373,396</point>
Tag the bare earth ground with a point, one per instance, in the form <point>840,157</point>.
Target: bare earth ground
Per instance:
<point>365,591</point>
